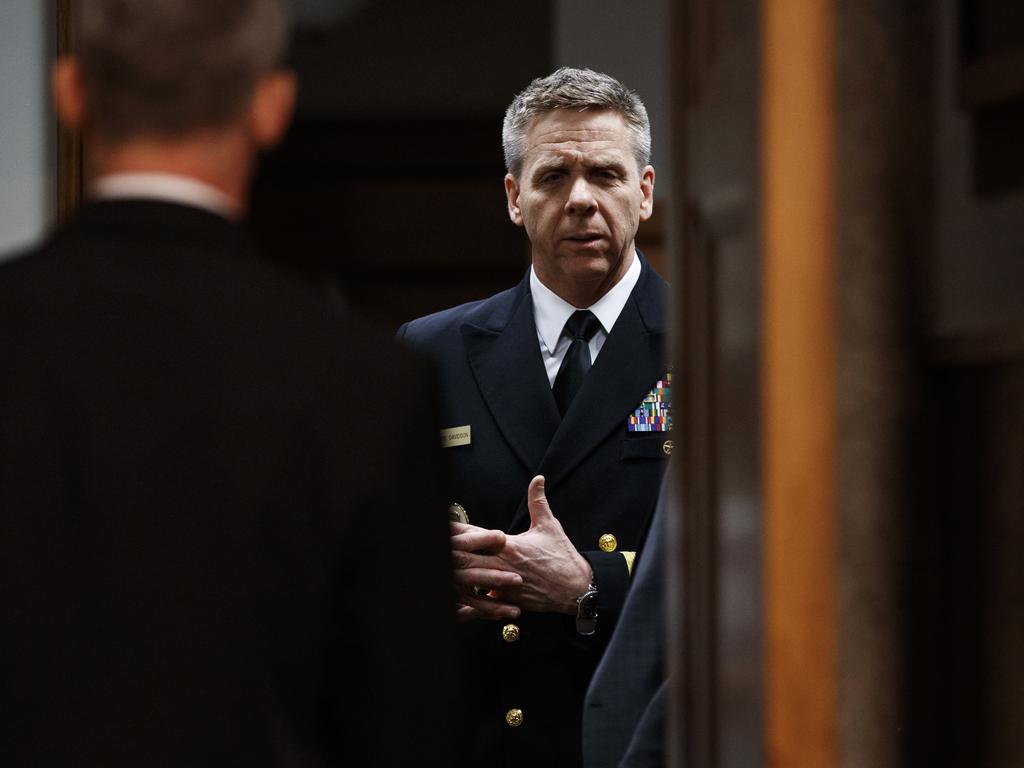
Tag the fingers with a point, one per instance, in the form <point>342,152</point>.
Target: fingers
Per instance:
<point>472,608</point>
<point>537,502</point>
<point>468,580</point>
<point>465,613</point>
<point>469,559</point>
<point>477,572</point>
<point>469,538</point>
<point>477,584</point>
<point>462,561</point>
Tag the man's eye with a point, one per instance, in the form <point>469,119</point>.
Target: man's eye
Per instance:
<point>552,176</point>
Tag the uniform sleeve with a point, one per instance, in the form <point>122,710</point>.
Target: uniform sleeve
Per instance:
<point>611,576</point>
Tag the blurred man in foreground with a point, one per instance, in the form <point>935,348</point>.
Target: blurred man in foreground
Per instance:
<point>191,492</point>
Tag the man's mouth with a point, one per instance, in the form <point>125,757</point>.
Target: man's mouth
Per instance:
<point>586,237</point>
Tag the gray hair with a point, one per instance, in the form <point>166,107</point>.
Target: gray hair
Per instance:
<point>164,68</point>
<point>578,89</point>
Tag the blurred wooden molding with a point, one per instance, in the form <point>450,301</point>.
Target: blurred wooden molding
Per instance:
<point>69,143</point>
<point>798,382</point>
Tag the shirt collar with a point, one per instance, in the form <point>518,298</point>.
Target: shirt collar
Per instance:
<point>550,311</point>
<point>167,187</point>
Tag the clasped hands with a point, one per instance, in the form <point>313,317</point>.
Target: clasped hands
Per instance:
<point>497,575</point>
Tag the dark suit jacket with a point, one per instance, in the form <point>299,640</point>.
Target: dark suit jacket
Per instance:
<point>197,462</point>
<point>624,711</point>
<point>600,479</point>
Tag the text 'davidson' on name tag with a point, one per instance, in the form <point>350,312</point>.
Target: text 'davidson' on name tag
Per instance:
<point>454,436</point>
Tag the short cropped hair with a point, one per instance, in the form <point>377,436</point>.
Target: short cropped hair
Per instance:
<point>165,68</point>
<point>579,89</point>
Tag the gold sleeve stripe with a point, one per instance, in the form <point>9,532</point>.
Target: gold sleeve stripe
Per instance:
<point>630,556</point>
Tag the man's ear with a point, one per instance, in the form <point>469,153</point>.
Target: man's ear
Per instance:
<point>68,93</point>
<point>512,194</point>
<point>647,190</point>
<point>271,108</point>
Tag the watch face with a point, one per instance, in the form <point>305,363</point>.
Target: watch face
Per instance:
<point>588,605</point>
<point>586,613</point>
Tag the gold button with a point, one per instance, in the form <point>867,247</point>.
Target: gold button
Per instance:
<point>607,543</point>
<point>514,718</point>
<point>457,513</point>
<point>666,447</point>
<point>510,633</point>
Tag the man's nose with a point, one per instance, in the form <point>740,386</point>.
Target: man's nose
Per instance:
<point>581,198</point>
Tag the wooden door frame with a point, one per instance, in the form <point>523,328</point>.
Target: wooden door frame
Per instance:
<point>69,144</point>
<point>798,410</point>
<point>693,572</point>
<point>798,380</point>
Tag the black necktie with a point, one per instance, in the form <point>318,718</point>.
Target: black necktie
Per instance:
<point>580,327</point>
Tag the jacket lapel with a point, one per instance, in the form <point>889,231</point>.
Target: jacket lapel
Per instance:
<point>630,362</point>
<point>504,354</point>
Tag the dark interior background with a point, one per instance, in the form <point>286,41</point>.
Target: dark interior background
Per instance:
<point>389,185</point>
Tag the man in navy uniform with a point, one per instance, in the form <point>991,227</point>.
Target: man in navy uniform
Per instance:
<point>556,413</point>
<point>191,490</point>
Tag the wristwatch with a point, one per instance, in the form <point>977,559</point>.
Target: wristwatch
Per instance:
<point>586,611</point>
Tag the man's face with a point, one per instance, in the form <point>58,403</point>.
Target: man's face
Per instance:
<point>581,198</point>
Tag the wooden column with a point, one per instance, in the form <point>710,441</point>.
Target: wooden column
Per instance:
<point>798,381</point>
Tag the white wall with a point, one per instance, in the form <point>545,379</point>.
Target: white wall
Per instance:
<point>26,130</point>
<point>629,40</point>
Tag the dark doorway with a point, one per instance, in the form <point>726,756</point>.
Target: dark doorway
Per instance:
<point>389,185</point>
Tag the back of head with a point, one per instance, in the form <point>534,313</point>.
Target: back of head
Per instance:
<point>575,89</point>
<point>165,68</point>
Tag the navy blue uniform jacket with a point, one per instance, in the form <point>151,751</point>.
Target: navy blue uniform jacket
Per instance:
<point>600,479</point>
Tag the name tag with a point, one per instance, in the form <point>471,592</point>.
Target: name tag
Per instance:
<point>454,436</point>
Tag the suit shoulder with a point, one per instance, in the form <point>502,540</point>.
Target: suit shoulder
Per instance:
<point>25,261</point>
<point>26,278</point>
<point>424,330</point>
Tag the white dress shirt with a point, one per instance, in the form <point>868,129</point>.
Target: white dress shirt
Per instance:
<point>550,312</point>
<point>166,187</point>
